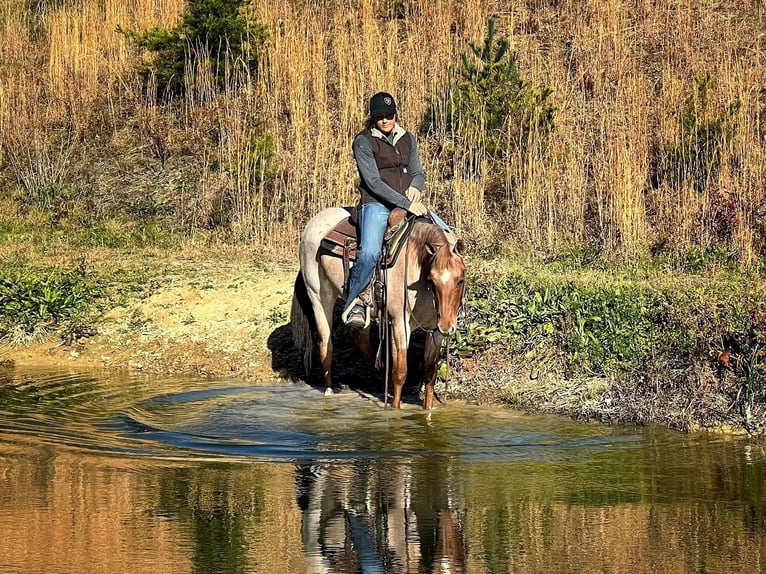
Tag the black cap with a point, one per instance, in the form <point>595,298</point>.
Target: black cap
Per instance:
<point>381,104</point>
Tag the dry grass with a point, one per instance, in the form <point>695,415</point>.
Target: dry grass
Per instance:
<point>621,72</point>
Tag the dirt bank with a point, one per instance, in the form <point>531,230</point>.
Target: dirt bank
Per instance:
<point>203,316</point>
<point>194,316</point>
<point>221,315</point>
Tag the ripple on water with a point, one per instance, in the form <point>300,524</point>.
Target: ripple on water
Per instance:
<point>191,418</point>
<point>295,422</point>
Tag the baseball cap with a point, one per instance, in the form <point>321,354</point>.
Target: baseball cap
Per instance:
<point>382,103</point>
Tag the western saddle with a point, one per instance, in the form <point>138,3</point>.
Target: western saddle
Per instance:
<point>341,241</point>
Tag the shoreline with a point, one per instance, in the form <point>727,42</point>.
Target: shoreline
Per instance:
<point>200,317</point>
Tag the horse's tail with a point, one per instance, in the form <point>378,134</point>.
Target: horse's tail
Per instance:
<point>302,321</point>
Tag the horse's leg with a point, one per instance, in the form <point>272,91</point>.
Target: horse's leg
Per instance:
<point>324,306</point>
<point>400,339</point>
<point>363,343</point>
<point>432,352</point>
<point>323,277</point>
<point>362,340</point>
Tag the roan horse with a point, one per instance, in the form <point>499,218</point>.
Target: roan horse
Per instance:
<point>424,289</point>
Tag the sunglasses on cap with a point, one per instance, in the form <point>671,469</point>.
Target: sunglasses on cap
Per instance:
<point>389,116</point>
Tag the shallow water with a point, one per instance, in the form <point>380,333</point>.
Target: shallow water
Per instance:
<point>102,473</point>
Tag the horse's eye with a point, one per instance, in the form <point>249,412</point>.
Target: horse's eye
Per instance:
<point>461,282</point>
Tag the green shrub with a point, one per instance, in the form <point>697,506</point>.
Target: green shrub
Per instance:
<point>694,335</point>
<point>35,301</point>
<point>215,29</point>
<point>595,330</point>
<point>491,104</point>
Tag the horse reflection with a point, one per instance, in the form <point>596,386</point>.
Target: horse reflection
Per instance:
<point>375,519</point>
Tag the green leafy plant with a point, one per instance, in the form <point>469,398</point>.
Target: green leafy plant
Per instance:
<point>35,301</point>
<point>697,260</point>
<point>595,330</point>
<point>694,336</point>
<point>209,29</point>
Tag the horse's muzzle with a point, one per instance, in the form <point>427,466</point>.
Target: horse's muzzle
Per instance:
<point>450,330</point>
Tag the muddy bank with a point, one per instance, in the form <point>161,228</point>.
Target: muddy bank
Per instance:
<point>198,317</point>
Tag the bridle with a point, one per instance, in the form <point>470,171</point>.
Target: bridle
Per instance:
<point>432,288</point>
<point>460,312</point>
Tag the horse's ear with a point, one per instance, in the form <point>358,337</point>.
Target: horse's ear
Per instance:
<point>459,247</point>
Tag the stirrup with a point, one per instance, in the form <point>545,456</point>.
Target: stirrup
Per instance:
<point>365,309</point>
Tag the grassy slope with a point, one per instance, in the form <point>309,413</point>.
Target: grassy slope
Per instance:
<point>648,343</point>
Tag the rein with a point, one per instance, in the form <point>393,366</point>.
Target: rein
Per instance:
<point>384,328</point>
<point>407,307</point>
<point>461,310</point>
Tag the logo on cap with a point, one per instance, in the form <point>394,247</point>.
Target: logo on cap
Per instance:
<point>388,101</point>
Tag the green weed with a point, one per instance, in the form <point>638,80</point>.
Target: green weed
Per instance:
<point>36,301</point>
<point>596,329</point>
<point>277,316</point>
<point>599,328</point>
<point>121,234</point>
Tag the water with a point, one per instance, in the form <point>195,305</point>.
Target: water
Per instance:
<point>105,473</point>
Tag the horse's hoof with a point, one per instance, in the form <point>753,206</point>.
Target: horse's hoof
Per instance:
<point>328,392</point>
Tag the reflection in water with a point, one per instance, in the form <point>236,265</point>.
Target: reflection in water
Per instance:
<point>100,474</point>
<point>378,518</point>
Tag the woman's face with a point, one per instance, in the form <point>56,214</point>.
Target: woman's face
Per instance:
<point>385,122</point>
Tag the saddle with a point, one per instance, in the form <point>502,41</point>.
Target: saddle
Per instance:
<point>341,241</point>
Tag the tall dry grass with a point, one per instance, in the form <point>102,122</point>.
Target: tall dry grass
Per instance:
<point>621,73</point>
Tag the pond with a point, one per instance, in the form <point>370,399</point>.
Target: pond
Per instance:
<point>105,472</point>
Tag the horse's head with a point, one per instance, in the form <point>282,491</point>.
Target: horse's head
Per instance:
<point>447,275</point>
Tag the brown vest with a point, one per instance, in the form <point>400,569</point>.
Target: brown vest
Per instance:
<point>393,164</point>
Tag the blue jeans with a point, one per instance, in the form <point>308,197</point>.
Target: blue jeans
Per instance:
<point>372,224</point>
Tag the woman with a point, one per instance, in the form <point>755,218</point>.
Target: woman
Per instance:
<point>391,175</point>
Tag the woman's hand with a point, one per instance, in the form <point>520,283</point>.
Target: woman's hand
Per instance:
<point>417,208</point>
<point>413,193</point>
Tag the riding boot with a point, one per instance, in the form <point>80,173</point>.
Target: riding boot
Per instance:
<point>357,314</point>
<point>366,295</point>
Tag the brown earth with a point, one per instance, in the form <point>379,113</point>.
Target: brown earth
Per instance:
<point>217,314</point>
<point>213,315</point>
<point>200,317</point>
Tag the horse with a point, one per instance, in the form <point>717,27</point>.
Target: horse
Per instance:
<point>424,289</point>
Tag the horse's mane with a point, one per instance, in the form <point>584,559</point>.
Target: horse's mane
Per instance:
<point>427,233</point>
